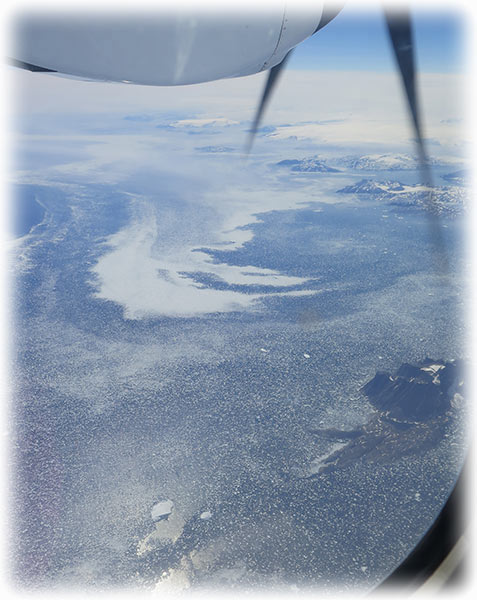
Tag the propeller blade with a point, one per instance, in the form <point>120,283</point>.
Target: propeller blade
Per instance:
<point>329,13</point>
<point>400,34</point>
<point>273,77</point>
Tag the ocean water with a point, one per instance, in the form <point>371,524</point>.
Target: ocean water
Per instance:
<point>115,409</point>
<point>26,211</point>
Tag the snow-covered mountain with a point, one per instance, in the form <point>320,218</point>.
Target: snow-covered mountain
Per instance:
<point>369,186</point>
<point>214,149</point>
<point>365,162</point>
<point>445,199</point>
<point>382,162</point>
<point>312,164</point>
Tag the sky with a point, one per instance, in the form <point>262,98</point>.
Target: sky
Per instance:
<point>357,40</point>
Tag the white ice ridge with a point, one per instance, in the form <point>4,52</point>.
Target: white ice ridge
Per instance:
<point>130,274</point>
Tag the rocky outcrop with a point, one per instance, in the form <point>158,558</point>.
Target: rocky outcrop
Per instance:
<point>412,412</point>
<point>415,392</point>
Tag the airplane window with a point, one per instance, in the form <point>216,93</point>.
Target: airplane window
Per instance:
<point>238,373</point>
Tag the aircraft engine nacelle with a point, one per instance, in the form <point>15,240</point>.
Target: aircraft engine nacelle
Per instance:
<point>163,48</point>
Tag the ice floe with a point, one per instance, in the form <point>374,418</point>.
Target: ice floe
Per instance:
<point>161,510</point>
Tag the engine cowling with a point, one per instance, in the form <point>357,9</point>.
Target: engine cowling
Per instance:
<point>163,48</point>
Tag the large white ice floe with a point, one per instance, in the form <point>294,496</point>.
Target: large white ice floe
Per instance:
<point>161,510</point>
<point>168,527</point>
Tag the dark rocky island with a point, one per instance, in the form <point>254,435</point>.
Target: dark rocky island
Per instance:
<point>413,407</point>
